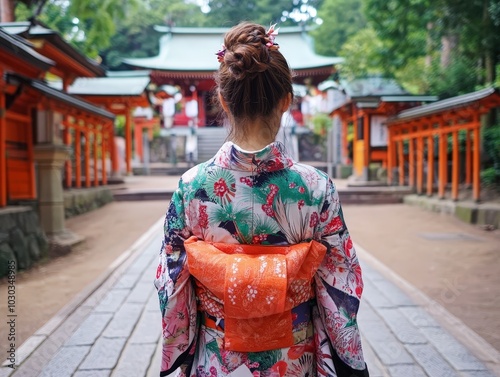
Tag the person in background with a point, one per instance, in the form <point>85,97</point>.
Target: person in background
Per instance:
<point>257,273</point>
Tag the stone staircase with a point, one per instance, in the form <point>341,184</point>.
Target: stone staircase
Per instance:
<point>210,139</point>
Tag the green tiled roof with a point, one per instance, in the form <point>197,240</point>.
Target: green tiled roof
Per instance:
<point>191,49</point>
<point>372,87</point>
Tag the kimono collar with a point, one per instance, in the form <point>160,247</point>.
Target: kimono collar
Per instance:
<point>268,159</point>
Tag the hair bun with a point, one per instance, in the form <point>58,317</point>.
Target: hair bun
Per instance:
<point>246,61</point>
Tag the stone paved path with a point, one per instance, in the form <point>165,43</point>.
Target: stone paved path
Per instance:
<point>115,331</point>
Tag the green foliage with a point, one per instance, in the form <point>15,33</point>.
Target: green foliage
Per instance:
<point>321,124</point>
<point>459,77</point>
<point>87,24</point>
<point>341,20</point>
<point>491,143</point>
<point>491,136</point>
<point>362,55</point>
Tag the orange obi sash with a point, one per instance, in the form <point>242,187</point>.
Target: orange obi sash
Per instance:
<point>259,285</point>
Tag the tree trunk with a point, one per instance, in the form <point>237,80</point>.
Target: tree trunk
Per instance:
<point>448,44</point>
<point>429,45</point>
<point>7,11</point>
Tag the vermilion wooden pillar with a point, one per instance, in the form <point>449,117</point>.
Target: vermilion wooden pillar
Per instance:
<point>420,163</point>
<point>138,129</point>
<point>78,155</point>
<point>455,167</point>
<point>443,162</point>
<point>345,151</point>
<point>95,157</point>
<point>31,158</point>
<point>390,157</point>
<point>104,140</point>
<point>411,162</point>
<point>68,178</point>
<point>468,157</point>
<point>430,165</point>
<point>476,161</point>
<point>87,155</point>
<point>128,140</point>
<point>3,149</point>
<point>366,137</point>
<point>401,163</point>
<point>113,150</point>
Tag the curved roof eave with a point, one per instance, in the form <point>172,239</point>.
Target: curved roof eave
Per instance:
<point>193,50</point>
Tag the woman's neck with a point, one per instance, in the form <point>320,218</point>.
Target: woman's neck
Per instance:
<point>256,136</point>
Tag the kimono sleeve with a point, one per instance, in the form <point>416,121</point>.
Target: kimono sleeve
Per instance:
<point>175,291</point>
<point>338,289</point>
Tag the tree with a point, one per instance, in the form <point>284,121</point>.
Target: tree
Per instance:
<point>362,53</point>
<point>341,19</point>
<point>136,36</point>
<point>87,24</point>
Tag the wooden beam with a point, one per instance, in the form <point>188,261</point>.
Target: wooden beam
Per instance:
<point>455,167</point>
<point>3,149</point>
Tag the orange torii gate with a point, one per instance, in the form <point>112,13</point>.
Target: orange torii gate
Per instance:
<point>425,131</point>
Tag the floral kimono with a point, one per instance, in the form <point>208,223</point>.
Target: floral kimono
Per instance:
<point>260,198</point>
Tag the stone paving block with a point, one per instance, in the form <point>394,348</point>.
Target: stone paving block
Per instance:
<point>372,362</point>
<point>112,301</point>
<point>93,373</point>
<point>483,373</point>
<point>140,264</point>
<point>141,293</point>
<point>431,361</point>
<point>370,272</point>
<point>65,362</point>
<point>388,349</point>
<point>153,305</point>
<point>393,293</point>
<point>401,327</point>
<point>148,329</point>
<point>104,354</point>
<point>135,360</point>
<point>406,371</point>
<point>128,280</point>
<point>419,317</point>
<point>374,297</point>
<point>90,329</point>
<point>454,352</point>
<point>122,324</point>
